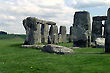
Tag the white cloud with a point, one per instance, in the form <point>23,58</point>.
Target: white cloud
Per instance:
<point>14,11</point>
<point>87,3</point>
<point>7,17</point>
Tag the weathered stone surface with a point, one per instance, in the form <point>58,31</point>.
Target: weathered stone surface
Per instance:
<point>63,33</point>
<point>55,38</point>
<point>81,29</point>
<point>44,33</point>
<point>57,49</point>
<point>39,21</point>
<point>53,34</point>
<point>107,30</point>
<point>107,44</point>
<point>49,40</point>
<point>62,30</point>
<point>50,23</point>
<point>80,37</point>
<point>100,42</point>
<point>97,27</point>
<point>59,38</point>
<point>71,34</point>
<point>33,31</point>
<point>53,30</point>
<point>96,30</point>
<point>99,18</point>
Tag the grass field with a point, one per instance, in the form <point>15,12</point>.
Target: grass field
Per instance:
<point>14,59</point>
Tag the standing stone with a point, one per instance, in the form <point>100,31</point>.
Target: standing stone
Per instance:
<point>96,30</point>
<point>60,38</point>
<point>44,33</point>
<point>71,34</point>
<point>53,33</point>
<point>49,40</point>
<point>55,38</point>
<point>27,31</point>
<point>33,31</point>
<point>63,33</point>
<point>107,30</point>
<point>97,27</point>
<point>81,29</point>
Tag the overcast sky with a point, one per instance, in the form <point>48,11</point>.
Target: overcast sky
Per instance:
<point>12,12</point>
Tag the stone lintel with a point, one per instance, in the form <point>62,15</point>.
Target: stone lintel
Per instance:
<point>99,18</point>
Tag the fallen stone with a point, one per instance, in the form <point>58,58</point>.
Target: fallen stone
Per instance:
<point>57,49</point>
<point>100,42</point>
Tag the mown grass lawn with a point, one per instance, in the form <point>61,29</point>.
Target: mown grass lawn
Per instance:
<point>14,59</point>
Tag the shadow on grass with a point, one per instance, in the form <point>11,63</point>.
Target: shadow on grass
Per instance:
<point>91,53</point>
<point>15,45</point>
<point>20,46</point>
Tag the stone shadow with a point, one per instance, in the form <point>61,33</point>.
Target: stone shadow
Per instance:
<point>20,46</point>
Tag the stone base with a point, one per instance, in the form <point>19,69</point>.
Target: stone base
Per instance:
<point>107,44</point>
<point>80,43</point>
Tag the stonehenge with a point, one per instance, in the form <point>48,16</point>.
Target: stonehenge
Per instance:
<point>37,31</point>
<point>81,29</point>
<point>97,27</point>
<point>81,34</point>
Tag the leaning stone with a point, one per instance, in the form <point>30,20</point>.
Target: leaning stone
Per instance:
<point>57,49</point>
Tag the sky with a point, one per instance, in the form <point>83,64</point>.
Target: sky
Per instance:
<point>12,12</point>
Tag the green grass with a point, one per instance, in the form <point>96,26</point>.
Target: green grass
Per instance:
<point>11,36</point>
<point>14,59</point>
<point>66,45</point>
